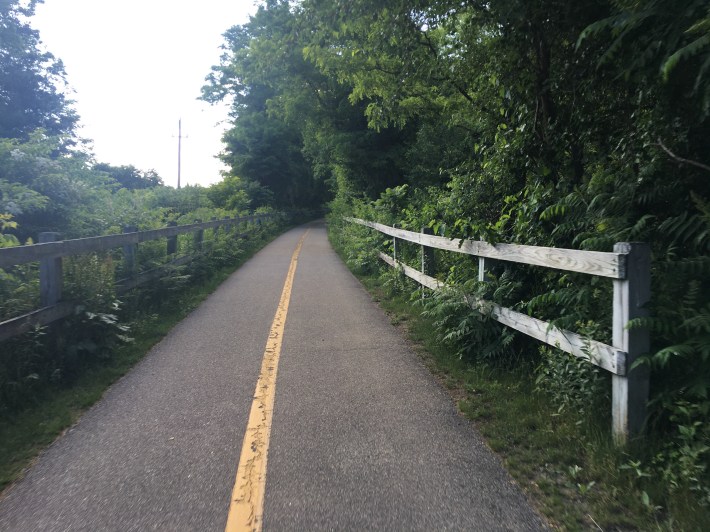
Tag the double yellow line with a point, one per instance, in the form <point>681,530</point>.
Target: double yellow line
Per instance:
<point>247,504</point>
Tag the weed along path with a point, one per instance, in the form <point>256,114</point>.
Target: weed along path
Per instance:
<point>286,401</point>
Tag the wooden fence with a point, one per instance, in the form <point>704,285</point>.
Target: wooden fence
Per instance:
<point>628,267</point>
<point>50,250</point>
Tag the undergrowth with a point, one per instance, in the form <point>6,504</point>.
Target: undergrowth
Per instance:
<point>117,339</point>
<point>546,414</point>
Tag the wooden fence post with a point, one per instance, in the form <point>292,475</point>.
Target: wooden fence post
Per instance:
<point>199,236</point>
<point>172,241</point>
<point>631,295</point>
<point>50,274</point>
<point>482,270</point>
<point>427,256</point>
<point>129,253</point>
<point>394,245</point>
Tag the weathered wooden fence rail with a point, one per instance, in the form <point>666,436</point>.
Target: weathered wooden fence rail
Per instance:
<point>628,266</point>
<point>50,250</point>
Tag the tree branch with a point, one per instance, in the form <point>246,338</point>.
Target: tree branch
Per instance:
<point>681,160</point>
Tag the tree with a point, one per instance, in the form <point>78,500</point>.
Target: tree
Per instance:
<point>236,194</point>
<point>50,192</point>
<point>130,177</point>
<point>564,124</point>
<point>262,146</point>
<point>31,79</point>
<point>295,129</point>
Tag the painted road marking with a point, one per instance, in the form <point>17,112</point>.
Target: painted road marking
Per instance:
<point>247,504</point>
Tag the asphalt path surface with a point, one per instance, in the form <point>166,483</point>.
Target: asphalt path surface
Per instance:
<point>363,437</point>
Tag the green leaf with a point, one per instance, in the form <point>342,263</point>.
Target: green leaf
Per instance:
<point>686,52</point>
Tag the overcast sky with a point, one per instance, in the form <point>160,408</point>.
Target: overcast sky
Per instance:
<point>136,67</point>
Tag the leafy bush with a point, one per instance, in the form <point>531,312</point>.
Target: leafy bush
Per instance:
<point>683,461</point>
<point>573,383</point>
<point>85,340</point>
<point>22,370</point>
<point>464,323</point>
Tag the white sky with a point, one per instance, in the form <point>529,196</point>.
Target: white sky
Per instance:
<point>136,68</point>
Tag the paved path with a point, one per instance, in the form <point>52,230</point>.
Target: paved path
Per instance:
<point>362,436</point>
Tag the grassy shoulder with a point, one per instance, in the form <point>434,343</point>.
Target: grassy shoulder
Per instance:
<point>24,434</point>
<point>568,468</point>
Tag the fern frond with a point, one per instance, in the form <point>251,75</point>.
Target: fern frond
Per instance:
<point>554,211</point>
<point>661,326</point>
<point>599,202</point>
<point>701,25</point>
<point>701,73</point>
<point>701,322</point>
<point>694,266</point>
<point>542,300</point>
<point>598,243</point>
<point>686,52</point>
<point>567,228</point>
<point>663,357</point>
<point>641,225</point>
<point>596,29</point>
<point>690,297</point>
<point>687,228</point>
<point>650,196</point>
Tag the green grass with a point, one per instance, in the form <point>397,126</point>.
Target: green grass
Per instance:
<point>569,469</point>
<point>24,434</point>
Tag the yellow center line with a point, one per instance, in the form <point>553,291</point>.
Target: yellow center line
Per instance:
<point>247,504</point>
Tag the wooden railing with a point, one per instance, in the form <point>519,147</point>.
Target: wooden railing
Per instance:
<point>628,266</point>
<point>50,250</point>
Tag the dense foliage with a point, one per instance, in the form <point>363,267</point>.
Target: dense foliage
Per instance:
<point>568,124</point>
<point>50,183</point>
<point>41,190</point>
<point>31,79</point>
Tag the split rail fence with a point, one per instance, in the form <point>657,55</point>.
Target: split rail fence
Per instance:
<point>50,250</point>
<point>628,267</point>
